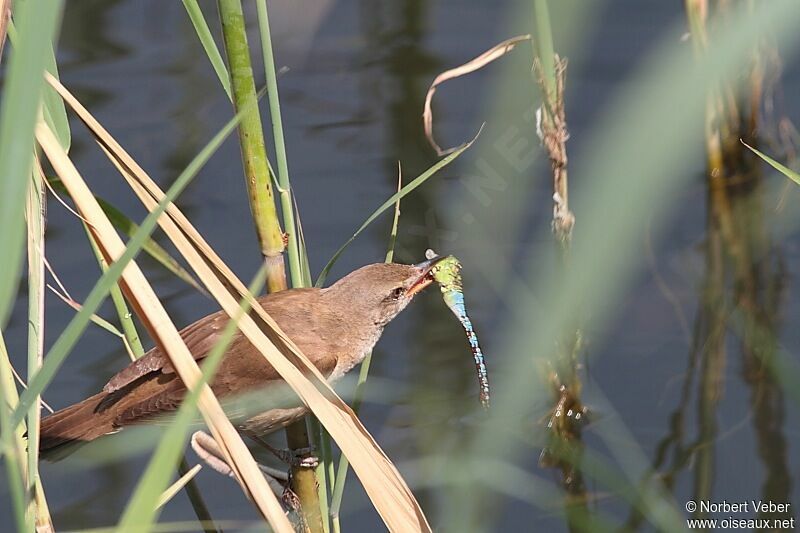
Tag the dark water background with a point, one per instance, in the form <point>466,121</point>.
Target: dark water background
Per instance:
<point>352,99</point>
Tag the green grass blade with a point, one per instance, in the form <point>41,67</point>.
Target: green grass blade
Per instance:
<point>97,320</point>
<point>416,182</point>
<point>35,216</point>
<point>36,23</point>
<point>306,267</point>
<point>131,336</point>
<point>358,395</point>
<point>786,171</point>
<point>207,40</point>
<point>55,113</point>
<point>70,335</point>
<point>11,443</point>
<point>53,110</point>
<point>144,504</point>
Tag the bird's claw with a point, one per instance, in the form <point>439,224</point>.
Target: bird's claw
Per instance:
<point>311,461</point>
<point>300,457</point>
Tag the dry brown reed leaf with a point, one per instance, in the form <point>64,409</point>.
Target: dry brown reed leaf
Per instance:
<point>381,480</point>
<point>163,331</point>
<point>181,482</point>
<point>495,52</point>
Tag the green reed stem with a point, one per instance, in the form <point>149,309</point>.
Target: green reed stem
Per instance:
<point>316,507</point>
<point>325,472</point>
<point>35,219</point>
<point>264,211</point>
<point>12,445</point>
<point>35,214</point>
<point>284,186</point>
<point>251,140</point>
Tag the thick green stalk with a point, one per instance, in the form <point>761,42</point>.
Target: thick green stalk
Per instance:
<point>304,480</point>
<point>264,210</point>
<point>251,139</point>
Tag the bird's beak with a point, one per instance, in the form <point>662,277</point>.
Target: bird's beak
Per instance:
<point>425,278</point>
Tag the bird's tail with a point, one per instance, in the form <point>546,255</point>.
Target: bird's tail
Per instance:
<point>81,422</point>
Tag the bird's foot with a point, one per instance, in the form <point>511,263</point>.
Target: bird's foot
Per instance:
<point>206,448</point>
<point>300,457</point>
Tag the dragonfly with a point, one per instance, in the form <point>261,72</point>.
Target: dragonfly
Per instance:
<point>447,273</point>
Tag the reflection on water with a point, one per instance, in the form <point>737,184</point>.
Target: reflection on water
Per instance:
<point>737,325</point>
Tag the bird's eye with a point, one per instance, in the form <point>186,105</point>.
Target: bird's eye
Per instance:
<point>397,293</point>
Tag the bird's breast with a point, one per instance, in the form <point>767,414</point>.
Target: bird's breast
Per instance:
<point>345,362</point>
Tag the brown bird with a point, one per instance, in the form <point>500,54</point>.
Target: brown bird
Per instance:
<point>335,327</point>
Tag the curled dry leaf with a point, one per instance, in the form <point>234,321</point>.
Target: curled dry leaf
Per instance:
<point>482,60</point>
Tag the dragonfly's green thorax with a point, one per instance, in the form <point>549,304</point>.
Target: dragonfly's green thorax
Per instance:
<point>447,274</point>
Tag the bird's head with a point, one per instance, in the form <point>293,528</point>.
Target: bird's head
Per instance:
<point>378,292</point>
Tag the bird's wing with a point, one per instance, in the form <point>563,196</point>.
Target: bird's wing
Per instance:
<point>292,311</point>
<point>147,400</point>
<point>199,337</point>
<point>149,386</point>
<point>303,320</point>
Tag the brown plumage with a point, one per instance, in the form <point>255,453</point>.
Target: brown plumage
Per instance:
<point>335,328</point>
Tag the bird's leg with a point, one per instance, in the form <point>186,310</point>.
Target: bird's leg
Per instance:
<point>278,480</point>
<point>303,457</point>
<point>207,449</point>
